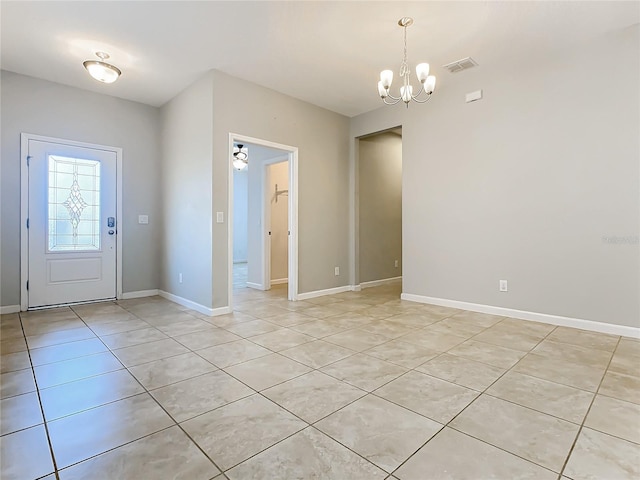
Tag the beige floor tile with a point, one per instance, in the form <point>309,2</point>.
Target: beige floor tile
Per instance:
<point>14,361</point>
<point>573,353</point>
<point>320,328</point>
<point>528,327</point>
<point>441,458</point>
<point>433,339</point>
<point>56,338</point>
<point>106,317</point>
<point>170,370</point>
<point>12,345</point>
<point>621,386</point>
<point>364,372</point>
<point>16,383</point>
<point>356,339</point>
<point>583,338</point>
<point>481,319</point>
<point>307,454</point>
<point>322,311</point>
<point>401,353</point>
<point>166,454</point>
<point>615,417</point>
<point>494,355</point>
<point>124,325</point>
<point>439,310</point>
<point>66,351</point>
<point>291,318</point>
<point>349,320</point>
<point>535,436</point>
<point>135,337</point>
<point>267,371</point>
<point>380,312</point>
<point>313,396</point>
<point>38,327</point>
<point>224,321</point>
<point>457,326</point>
<point>148,352</point>
<point>25,454</point>
<point>58,373</point>
<point>598,456</point>
<point>232,353</point>
<point>253,328</point>
<point>626,358</point>
<point>317,354</point>
<point>415,319</point>
<point>207,338</point>
<point>235,432</point>
<point>428,396</point>
<point>183,327</point>
<point>548,397</point>
<point>565,372</point>
<point>380,431</point>
<point>508,337</point>
<point>195,396</point>
<point>74,397</point>
<point>281,339</point>
<point>83,435</point>
<point>19,412</point>
<point>462,371</point>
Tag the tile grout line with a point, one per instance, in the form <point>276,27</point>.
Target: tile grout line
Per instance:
<point>575,441</point>
<point>44,420</point>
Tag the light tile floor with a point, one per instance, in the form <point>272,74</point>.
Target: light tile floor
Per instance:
<point>350,386</point>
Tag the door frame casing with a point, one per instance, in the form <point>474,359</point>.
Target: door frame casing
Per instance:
<point>292,154</point>
<point>24,208</point>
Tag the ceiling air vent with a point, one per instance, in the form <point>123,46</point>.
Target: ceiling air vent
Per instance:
<point>462,64</point>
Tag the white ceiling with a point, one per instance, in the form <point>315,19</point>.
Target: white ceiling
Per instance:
<point>326,53</point>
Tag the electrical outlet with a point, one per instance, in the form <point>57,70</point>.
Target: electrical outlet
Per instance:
<point>503,286</point>
<point>179,278</point>
<point>396,264</point>
<point>337,271</point>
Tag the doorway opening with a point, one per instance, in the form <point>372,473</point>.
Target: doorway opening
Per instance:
<point>263,220</point>
<point>379,210</point>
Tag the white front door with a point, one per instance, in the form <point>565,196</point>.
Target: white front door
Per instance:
<point>72,223</point>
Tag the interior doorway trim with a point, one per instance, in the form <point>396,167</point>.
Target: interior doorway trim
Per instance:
<point>24,208</point>
<point>292,154</point>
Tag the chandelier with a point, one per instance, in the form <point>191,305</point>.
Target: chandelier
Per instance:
<point>240,157</point>
<point>427,82</point>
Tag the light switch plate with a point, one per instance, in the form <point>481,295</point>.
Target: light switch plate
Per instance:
<point>219,217</point>
<point>143,219</point>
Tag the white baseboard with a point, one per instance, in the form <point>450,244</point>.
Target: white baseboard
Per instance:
<point>188,303</point>
<point>279,281</point>
<point>220,311</point>
<point>140,294</point>
<point>256,286</point>
<point>328,291</point>
<point>378,283</point>
<point>356,288</point>
<point>9,309</point>
<point>592,325</point>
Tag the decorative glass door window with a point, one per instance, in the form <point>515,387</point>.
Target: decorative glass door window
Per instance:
<point>74,204</point>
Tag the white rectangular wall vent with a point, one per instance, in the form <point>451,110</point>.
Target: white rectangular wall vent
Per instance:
<point>462,64</point>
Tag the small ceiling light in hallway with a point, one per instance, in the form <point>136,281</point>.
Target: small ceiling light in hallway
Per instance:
<point>240,157</point>
<point>427,82</point>
<point>102,71</point>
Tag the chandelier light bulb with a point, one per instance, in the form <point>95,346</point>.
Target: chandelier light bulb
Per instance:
<point>422,72</point>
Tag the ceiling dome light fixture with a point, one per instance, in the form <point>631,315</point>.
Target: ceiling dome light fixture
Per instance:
<point>240,157</point>
<point>427,82</point>
<point>102,71</point>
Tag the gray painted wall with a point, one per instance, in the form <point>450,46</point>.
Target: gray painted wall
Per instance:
<point>40,107</point>
<point>323,178</point>
<point>380,207</point>
<point>526,184</point>
<point>187,126</point>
